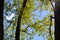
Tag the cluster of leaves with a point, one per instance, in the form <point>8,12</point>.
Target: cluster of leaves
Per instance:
<point>39,26</point>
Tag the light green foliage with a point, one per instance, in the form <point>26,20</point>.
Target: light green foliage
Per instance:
<point>40,26</point>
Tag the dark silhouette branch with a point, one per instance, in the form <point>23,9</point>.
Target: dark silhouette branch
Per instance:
<point>51,20</point>
<point>10,25</point>
<point>7,27</point>
<point>17,34</point>
<point>25,32</point>
<point>50,27</point>
<point>52,5</point>
<point>29,26</point>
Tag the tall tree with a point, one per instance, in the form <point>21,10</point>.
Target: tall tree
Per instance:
<point>17,36</point>
<point>1,20</point>
<point>57,20</point>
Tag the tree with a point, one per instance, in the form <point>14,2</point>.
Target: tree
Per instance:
<point>29,18</point>
<point>57,20</point>
<point>36,23</point>
<point>1,20</point>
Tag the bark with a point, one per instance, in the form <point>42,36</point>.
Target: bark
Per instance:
<point>1,20</point>
<point>17,36</point>
<point>57,20</point>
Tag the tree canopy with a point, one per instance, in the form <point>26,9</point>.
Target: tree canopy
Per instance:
<point>35,19</point>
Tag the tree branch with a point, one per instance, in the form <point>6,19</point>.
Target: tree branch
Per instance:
<point>26,32</point>
<point>52,5</point>
<point>17,34</point>
<point>50,27</point>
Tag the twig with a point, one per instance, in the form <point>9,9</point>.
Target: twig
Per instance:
<point>26,32</point>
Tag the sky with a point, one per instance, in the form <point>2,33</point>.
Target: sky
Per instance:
<point>36,37</point>
<point>37,12</point>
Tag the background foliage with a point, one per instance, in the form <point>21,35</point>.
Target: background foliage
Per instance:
<point>35,19</point>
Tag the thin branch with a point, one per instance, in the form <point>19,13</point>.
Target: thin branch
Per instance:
<point>29,26</point>
<point>50,27</point>
<point>51,20</point>
<point>7,27</point>
<point>52,5</point>
<point>26,32</point>
<point>26,28</point>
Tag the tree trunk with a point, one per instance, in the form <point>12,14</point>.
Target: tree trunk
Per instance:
<point>1,20</point>
<point>57,20</point>
<point>17,36</point>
